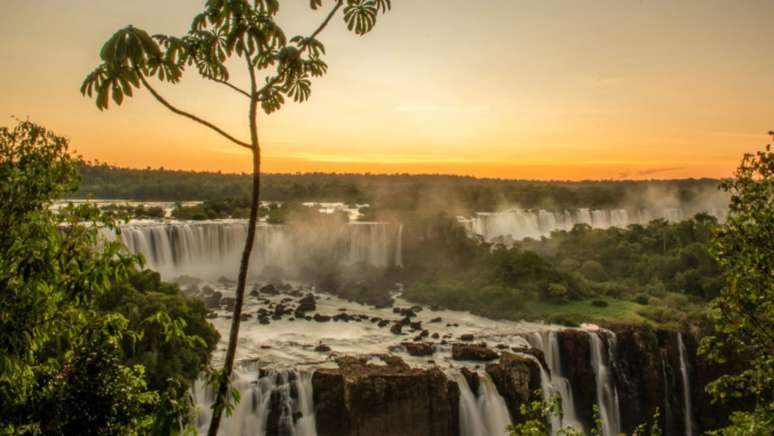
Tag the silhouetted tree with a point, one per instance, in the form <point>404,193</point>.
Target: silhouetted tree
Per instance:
<point>227,30</point>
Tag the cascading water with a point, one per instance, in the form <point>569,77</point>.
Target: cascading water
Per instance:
<point>277,403</point>
<point>399,247</point>
<point>483,413</point>
<point>210,249</point>
<point>684,371</point>
<point>558,384</point>
<point>518,224</point>
<point>607,394</point>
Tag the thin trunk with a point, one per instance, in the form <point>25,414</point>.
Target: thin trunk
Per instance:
<point>255,201</point>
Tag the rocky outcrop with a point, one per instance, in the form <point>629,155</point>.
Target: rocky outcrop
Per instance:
<point>478,353</point>
<point>385,399</point>
<point>516,378</point>
<point>575,351</point>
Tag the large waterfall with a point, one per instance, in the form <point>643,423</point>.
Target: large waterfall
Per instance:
<point>518,224</point>
<point>276,402</point>
<point>558,384</point>
<point>210,249</point>
<point>483,413</point>
<point>607,394</point>
<point>685,373</point>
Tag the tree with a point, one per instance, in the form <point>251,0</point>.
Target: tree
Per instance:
<point>743,314</point>
<point>50,275</point>
<point>227,30</point>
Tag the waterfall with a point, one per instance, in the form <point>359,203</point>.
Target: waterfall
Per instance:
<point>558,384</point>
<point>607,394</point>
<point>483,413</point>
<point>667,405</point>
<point>399,247</point>
<point>684,370</point>
<point>211,249</point>
<point>518,224</point>
<point>276,403</point>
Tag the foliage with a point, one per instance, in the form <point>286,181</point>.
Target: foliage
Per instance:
<point>743,313</point>
<point>68,368</point>
<point>537,416</point>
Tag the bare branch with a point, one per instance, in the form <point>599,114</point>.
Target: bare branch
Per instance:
<point>230,85</point>
<point>191,116</point>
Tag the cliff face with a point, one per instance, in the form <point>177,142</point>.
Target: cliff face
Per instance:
<point>386,399</point>
<point>575,350</point>
<point>516,378</point>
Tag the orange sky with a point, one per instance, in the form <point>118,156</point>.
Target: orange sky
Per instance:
<point>564,89</point>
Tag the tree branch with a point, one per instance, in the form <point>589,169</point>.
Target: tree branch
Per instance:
<point>230,85</point>
<point>190,116</point>
<point>273,81</point>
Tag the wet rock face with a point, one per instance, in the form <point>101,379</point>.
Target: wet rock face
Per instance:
<point>478,353</point>
<point>387,399</point>
<point>516,378</point>
<point>575,349</point>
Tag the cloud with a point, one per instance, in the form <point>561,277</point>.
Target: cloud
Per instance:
<point>658,170</point>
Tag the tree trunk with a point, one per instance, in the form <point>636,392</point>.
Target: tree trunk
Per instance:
<point>228,366</point>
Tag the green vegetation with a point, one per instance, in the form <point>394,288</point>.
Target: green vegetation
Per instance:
<point>743,314</point>
<point>99,348</point>
<point>660,273</point>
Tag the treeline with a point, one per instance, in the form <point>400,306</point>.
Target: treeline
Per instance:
<point>395,192</point>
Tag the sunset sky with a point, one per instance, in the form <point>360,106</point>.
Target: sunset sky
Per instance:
<point>542,89</point>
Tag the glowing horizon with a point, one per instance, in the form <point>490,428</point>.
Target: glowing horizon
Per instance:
<point>503,89</point>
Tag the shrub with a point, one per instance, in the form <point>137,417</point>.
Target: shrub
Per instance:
<point>642,299</point>
<point>599,303</point>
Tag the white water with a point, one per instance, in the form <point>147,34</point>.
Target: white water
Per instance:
<point>483,413</point>
<point>252,412</point>
<point>607,394</point>
<point>211,249</point>
<point>518,224</point>
<point>688,408</point>
<point>557,383</point>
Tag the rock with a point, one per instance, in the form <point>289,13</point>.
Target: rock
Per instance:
<point>424,334</point>
<point>245,317</point>
<point>466,337</point>
<point>416,326</point>
<point>321,318</point>
<point>473,352</point>
<point>516,378</point>
<point>396,329</point>
<point>322,348</point>
<point>419,348</point>
<point>207,290</point>
<point>360,399</point>
<point>472,379</point>
<point>435,336</point>
<point>383,323</point>
<point>213,301</point>
<point>416,309</point>
<point>307,304</point>
<point>264,320</point>
<point>435,320</point>
<point>228,303</point>
<point>254,292</point>
<point>343,316</point>
<point>269,290</point>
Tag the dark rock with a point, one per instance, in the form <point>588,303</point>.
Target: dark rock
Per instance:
<point>516,378</point>
<point>466,337</point>
<point>228,303</point>
<point>383,323</point>
<point>307,304</point>
<point>396,329</point>
<point>359,399</point>
<point>342,317</point>
<point>435,320</point>
<point>473,352</point>
<point>472,379</point>
<point>269,290</point>
<point>435,336</point>
<point>264,320</point>
<point>419,348</point>
<point>213,301</point>
<point>321,318</point>
<point>416,326</point>
<point>245,317</point>
<point>322,348</point>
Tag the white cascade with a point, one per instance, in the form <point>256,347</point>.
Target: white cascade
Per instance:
<point>558,384</point>
<point>471,421</point>
<point>211,249</point>
<point>492,407</point>
<point>684,371</point>
<point>607,394</point>
<point>251,415</point>
<point>518,224</point>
